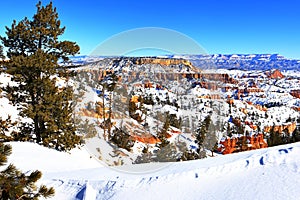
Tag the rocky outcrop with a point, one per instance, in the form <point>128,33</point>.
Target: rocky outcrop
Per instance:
<point>261,108</point>
<point>276,74</point>
<point>162,61</point>
<point>296,108</point>
<point>135,99</point>
<point>230,101</point>
<point>145,139</point>
<point>249,90</point>
<point>243,143</point>
<point>210,96</point>
<point>295,93</point>
<point>290,128</point>
<point>224,78</point>
<point>209,85</point>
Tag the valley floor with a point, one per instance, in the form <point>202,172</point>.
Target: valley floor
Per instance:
<point>271,173</point>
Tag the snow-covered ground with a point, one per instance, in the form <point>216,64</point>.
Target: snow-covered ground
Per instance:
<point>272,173</point>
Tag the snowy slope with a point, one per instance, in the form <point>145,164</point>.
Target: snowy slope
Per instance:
<point>272,173</point>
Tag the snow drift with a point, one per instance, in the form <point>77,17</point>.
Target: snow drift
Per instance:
<point>271,173</point>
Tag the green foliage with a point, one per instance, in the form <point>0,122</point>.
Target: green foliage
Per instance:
<point>206,137</point>
<point>149,100</point>
<point>15,184</point>
<point>296,135</point>
<point>166,153</point>
<point>87,129</point>
<point>274,138</point>
<point>229,130</point>
<point>1,52</point>
<point>132,109</point>
<point>202,131</point>
<point>174,121</point>
<point>34,51</point>
<point>108,84</point>
<point>189,155</point>
<point>121,139</point>
<point>5,130</point>
<point>1,60</point>
<point>162,135</point>
<point>146,157</point>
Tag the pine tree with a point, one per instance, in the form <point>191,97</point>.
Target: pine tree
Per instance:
<point>167,153</point>
<point>122,139</point>
<point>189,155</point>
<point>34,51</point>
<point>274,138</point>
<point>1,59</point>
<point>15,184</point>
<point>112,79</point>
<point>296,135</point>
<point>103,85</point>
<point>145,157</point>
<point>229,130</point>
<point>162,134</point>
<point>205,137</point>
<point>6,132</point>
<point>108,84</point>
<point>1,53</point>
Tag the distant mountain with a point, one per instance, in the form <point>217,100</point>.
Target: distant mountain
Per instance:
<point>220,61</point>
<point>243,61</point>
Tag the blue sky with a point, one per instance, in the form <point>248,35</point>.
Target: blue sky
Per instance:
<point>229,26</point>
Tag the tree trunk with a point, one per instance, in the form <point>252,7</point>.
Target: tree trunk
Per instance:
<point>37,131</point>
<point>103,113</point>
<point>110,112</point>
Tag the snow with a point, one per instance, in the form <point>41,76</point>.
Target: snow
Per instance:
<point>8,110</point>
<point>271,173</point>
<point>28,156</point>
<point>262,174</point>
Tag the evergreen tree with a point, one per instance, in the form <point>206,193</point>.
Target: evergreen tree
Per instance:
<point>205,137</point>
<point>162,134</point>
<point>6,132</point>
<point>103,85</point>
<point>108,84</point>
<point>210,139</point>
<point>34,51</point>
<point>1,53</point>
<point>274,138</point>
<point>1,59</point>
<point>166,153</point>
<point>229,130</point>
<point>132,108</point>
<point>174,121</point>
<point>15,184</point>
<point>296,135</point>
<point>146,157</point>
<point>189,155</point>
<point>112,82</point>
<point>122,139</point>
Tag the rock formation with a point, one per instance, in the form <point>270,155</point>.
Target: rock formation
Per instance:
<point>295,93</point>
<point>276,74</point>
<point>242,143</point>
<point>280,128</point>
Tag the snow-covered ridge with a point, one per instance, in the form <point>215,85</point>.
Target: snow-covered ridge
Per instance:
<point>244,61</point>
<point>222,61</point>
<point>249,175</point>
